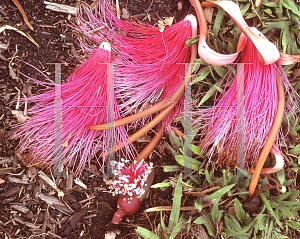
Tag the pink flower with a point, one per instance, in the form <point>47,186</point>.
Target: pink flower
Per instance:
<point>84,100</point>
<point>263,96</point>
<point>133,183</point>
<point>219,123</point>
<point>130,180</point>
<point>147,61</point>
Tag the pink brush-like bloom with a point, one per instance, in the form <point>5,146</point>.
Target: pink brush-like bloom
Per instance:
<point>133,183</point>
<point>218,125</point>
<point>83,103</point>
<point>130,180</point>
<point>147,60</point>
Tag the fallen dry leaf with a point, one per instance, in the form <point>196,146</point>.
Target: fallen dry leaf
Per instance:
<point>20,116</point>
<point>112,234</point>
<point>2,181</point>
<point>169,21</point>
<point>180,5</point>
<point>208,13</point>
<point>55,203</point>
<point>296,73</point>
<point>161,25</point>
<point>232,212</point>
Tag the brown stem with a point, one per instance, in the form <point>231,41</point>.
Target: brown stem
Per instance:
<point>179,91</point>
<point>272,137</point>
<point>159,106</point>
<point>260,190</point>
<point>149,148</point>
<point>149,126</point>
<point>201,17</point>
<point>179,133</point>
<point>16,2</point>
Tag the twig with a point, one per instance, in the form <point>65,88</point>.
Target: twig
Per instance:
<point>149,148</point>
<point>159,106</point>
<point>16,2</point>
<point>7,27</point>
<point>51,183</point>
<point>145,129</point>
<point>61,8</point>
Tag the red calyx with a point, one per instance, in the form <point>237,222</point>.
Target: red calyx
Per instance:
<point>127,205</point>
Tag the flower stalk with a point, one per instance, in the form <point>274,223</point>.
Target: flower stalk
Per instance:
<point>133,183</point>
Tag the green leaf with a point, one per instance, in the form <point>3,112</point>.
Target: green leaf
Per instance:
<point>268,206</point>
<point>218,21</point>
<point>240,213</point>
<point>174,152</point>
<point>188,162</point>
<point>268,10</point>
<point>290,4</point>
<point>146,233</point>
<point>295,150</point>
<point>220,70</point>
<point>210,92</point>
<point>270,4</point>
<point>192,41</point>
<point>245,8</point>
<point>281,24</point>
<point>206,220</point>
<point>201,62</point>
<point>295,209</point>
<point>205,71</point>
<point>198,204</point>
<point>216,213</point>
<point>174,216</point>
<point>162,222</point>
<point>270,228</point>
<point>288,203</point>
<point>232,222</point>
<point>196,67</point>
<point>177,228</point>
<point>286,212</point>
<point>282,197</point>
<point>161,185</point>
<point>207,175</point>
<point>294,196</point>
<point>293,224</point>
<point>230,48</point>
<point>281,176</point>
<point>200,220</point>
<point>285,37</point>
<point>218,194</point>
<point>296,20</point>
<point>174,139</point>
<point>288,182</point>
<point>195,149</point>
<point>170,168</point>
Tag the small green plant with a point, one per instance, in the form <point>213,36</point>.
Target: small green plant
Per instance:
<point>176,221</point>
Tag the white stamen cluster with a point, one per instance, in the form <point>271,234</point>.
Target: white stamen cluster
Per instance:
<point>130,180</point>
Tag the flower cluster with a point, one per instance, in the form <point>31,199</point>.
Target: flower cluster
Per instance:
<point>130,180</point>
